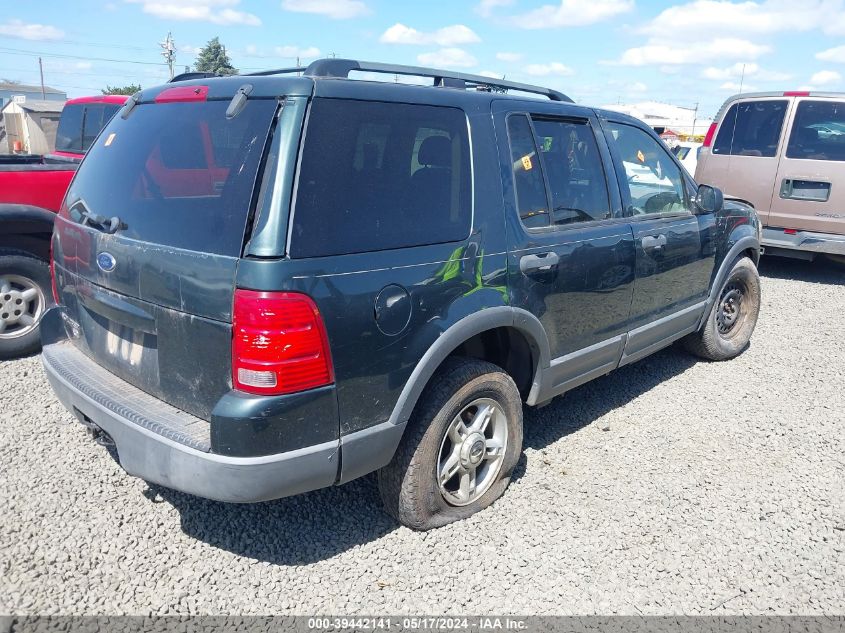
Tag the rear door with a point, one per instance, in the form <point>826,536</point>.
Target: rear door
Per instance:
<point>148,241</point>
<point>810,184</point>
<point>570,251</point>
<point>743,160</point>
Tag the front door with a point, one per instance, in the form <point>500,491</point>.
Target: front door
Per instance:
<point>674,262</point>
<point>570,250</point>
<point>809,189</point>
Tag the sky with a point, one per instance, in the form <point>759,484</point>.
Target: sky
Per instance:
<point>597,51</point>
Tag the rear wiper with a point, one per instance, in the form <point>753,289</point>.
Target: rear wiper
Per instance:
<point>88,218</point>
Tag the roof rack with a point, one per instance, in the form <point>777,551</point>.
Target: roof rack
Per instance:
<point>340,68</point>
<point>279,71</point>
<point>191,75</point>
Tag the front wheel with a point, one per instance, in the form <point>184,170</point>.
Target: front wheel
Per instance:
<point>731,321</point>
<point>462,443</point>
<point>25,294</point>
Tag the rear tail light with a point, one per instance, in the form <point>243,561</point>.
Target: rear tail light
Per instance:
<point>797,93</point>
<point>279,343</point>
<point>708,138</point>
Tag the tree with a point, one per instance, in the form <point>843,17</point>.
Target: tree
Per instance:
<point>212,58</point>
<point>131,89</point>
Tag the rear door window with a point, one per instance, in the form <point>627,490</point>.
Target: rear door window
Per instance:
<point>818,132</point>
<point>176,174</point>
<point>376,176</point>
<point>751,128</point>
<point>574,171</point>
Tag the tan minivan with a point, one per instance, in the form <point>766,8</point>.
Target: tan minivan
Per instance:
<point>784,153</point>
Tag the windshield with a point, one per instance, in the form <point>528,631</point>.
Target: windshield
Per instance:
<point>177,174</point>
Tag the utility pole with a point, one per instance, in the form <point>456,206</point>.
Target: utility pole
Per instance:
<point>41,71</point>
<point>694,117</point>
<point>168,52</point>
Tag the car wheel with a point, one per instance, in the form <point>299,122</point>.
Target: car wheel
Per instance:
<point>731,321</point>
<point>462,443</point>
<point>25,294</point>
<point>837,260</point>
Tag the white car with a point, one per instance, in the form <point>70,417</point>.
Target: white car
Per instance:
<point>687,153</point>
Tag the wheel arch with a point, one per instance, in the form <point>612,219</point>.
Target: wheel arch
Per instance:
<point>746,245</point>
<point>26,228</point>
<point>468,335</point>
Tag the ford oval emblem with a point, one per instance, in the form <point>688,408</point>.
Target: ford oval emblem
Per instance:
<point>106,262</point>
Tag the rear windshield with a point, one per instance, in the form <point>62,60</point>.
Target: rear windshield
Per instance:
<point>69,134</point>
<point>751,128</point>
<point>80,124</point>
<point>177,174</point>
<point>376,176</point>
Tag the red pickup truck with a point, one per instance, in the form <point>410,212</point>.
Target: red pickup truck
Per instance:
<point>31,190</point>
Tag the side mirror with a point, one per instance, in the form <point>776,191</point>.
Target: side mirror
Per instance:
<point>709,199</point>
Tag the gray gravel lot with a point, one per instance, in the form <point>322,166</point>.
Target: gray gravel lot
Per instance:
<point>671,486</point>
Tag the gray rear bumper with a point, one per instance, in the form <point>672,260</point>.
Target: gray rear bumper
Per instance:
<point>807,241</point>
<point>148,450</point>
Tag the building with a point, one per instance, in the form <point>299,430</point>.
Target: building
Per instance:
<point>31,123</point>
<point>664,116</point>
<point>7,91</point>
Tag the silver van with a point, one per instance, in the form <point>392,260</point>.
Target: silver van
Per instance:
<point>784,153</point>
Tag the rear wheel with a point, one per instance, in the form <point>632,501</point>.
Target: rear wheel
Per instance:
<point>731,321</point>
<point>25,294</point>
<point>462,443</point>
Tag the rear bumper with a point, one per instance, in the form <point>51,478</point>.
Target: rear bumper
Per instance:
<point>807,241</point>
<point>163,445</point>
<point>156,458</point>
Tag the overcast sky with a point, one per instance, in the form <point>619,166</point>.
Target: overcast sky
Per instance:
<point>597,51</point>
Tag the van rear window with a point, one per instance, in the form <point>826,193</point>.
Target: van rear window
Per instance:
<point>376,176</point>
<point>176,174</point>
<point>751,128</point>
<point>818,132</point>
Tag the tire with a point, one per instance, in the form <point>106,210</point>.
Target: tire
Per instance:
<point>731,321</point>
<point>25,294</point>
<point>410,487</point>
<point>837,260</point>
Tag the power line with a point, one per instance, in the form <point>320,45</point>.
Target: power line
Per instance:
<point>18,51</point>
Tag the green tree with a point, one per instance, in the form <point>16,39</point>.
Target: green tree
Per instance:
<point>131,89</point>
<point>212,58</point>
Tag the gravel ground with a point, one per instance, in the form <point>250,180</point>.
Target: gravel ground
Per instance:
<point>671,486</point>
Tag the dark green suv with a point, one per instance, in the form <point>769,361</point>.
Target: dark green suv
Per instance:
<point>275,283</point>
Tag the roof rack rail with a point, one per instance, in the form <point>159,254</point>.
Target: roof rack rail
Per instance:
<point>192,75</point>
<point>278,71</point>
<point>340,68</point>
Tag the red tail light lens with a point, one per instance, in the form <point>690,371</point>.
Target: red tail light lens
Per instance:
<point>279,343</point>
<point>797,93</point>
<point>711,132</point>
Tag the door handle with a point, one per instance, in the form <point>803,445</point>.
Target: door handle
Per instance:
<point>541,262</point>
<point>653,242</point>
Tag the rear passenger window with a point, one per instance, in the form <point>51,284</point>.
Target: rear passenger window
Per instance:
<point>559,160</point>
<point>573,168</point>
<point>818,132</point>
<point>376,176</point>
<point>751,129</point>
<point>529,184</point>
